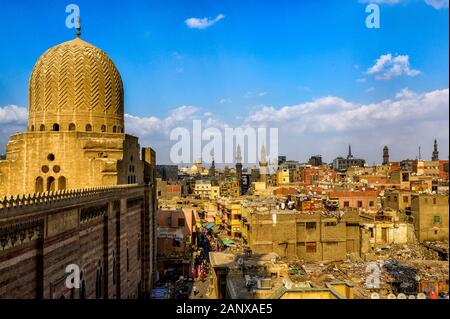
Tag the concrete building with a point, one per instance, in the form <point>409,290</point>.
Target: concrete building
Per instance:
<point>174,232</point>
<point>168,173</point>
<point>430,212</point>
<point>308,236</point>
<point>342,164</point>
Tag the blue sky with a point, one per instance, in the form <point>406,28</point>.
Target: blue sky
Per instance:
<point>262,55</point>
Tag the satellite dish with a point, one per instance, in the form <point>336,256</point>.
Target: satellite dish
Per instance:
<point>375,295</point>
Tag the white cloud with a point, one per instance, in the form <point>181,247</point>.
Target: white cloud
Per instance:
<point>203,23</point>
<point>438,4</point>
<point>335,114</point>
<point>371,89</point>
<point>13,114</point>
<point>388,66</point>
<point>322,125</point>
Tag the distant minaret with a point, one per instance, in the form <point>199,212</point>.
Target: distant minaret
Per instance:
<point>435,156</point>
<point>349,152</point>
<point>212,169</point>
<point>420,154</point>
<point>263,165</point>
<point>239,168</point>
<point>385,155</point>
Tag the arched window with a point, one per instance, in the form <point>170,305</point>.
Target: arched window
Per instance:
<point>103,128</point>
<point>32,128</point>
<point>55,127</point>
<point>114,129</point>
<point>121,130</point>
<point>72,127</point>
<point>39,188</point>
<point>62,183</point>
<point>88,128</point>
<point>42,128</point>
<point>50,184</point>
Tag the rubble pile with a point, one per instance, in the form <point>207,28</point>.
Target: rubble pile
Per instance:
<point>406,252</point>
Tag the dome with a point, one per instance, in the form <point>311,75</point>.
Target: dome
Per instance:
<point>75,86</point>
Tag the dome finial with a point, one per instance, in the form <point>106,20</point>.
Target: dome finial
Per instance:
<point>78,27</point>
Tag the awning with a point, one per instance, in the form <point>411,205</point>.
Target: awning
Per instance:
<point>227,242</point>
<point>209,225</point>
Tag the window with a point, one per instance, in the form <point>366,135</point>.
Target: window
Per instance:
<point>330,224</point>
<point>88,128</point>
<point>39,187</point>
<point>301,244</point>
<point>311,225</point>
<point>114,129</point>
<point>346,204</point>
<point>360,203</point>
<point>103,128</point>
<point>72,127</point>
<point>434,200</point>
<point>437,219</point>
<point>55,127</point>
<point>42,128</point>
<point>62,183</point>
<point>405,199</point>
<point>51,157</point>
<point>311,247</point>
<point>50,184</point>
<point>181,222</point>
<point>371,204</point>
<point>32,128</point>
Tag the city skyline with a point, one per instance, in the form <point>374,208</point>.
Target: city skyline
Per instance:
<point>238,65</point>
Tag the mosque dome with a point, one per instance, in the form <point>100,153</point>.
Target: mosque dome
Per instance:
<point>75,86</point>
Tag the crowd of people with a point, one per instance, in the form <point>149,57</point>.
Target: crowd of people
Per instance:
<point>201,261</point>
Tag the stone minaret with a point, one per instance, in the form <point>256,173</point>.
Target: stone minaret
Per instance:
<point>349,152</point>
<point>263,165</point>
<point>212,169</point>
<point>239,168</point>
<point>435,155</point>
<point>385,155</point>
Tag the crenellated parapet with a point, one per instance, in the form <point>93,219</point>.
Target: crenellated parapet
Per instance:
<point>17,203</point>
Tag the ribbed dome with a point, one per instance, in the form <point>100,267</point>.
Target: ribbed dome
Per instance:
<point>75,86</point>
